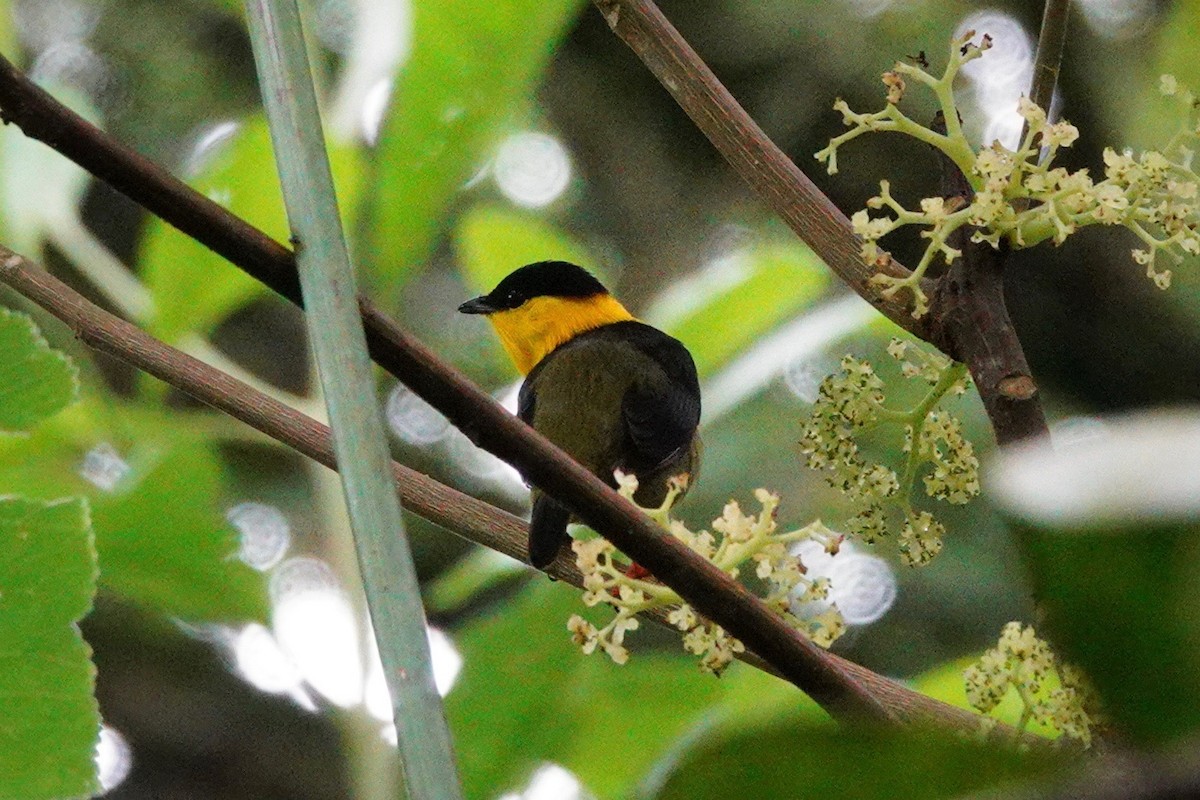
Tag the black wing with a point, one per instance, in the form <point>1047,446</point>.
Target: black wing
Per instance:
<point>662,410</point>
<point>526,400</point>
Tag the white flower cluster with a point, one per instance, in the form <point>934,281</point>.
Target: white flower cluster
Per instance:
<point>737,539</point>
<point>1018,197</point>
<point>850,403</point>
<point>1021,662</point>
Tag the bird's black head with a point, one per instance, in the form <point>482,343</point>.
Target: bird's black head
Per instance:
<point>543,279</point>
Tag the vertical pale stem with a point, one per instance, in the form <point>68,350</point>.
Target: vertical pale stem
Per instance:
<point>327,285</point>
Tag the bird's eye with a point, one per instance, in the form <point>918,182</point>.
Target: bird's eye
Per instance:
<point>513,298</point>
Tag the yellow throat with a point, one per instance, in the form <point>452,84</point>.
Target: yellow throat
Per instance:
<point>541,324</point>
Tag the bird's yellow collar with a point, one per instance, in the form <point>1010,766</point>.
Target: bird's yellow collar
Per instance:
<point>541,324</point>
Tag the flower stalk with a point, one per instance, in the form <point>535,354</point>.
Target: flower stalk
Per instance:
<point>1018,198</point>
<point>736,542</point>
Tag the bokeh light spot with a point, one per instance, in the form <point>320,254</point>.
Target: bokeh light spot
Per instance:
<point>316,626</point>
<point>43,23</point>
<point>209,142</point>
<point>413,420</point>
<point>803,377</point>
<point>374,108</point>
<point>261,661</point>
<point>1117,19</point>
<point>264,534</point>
<point>446,661</point>
<point>1001,76</point>
<point>103,467</point>
<point>114,759</point>
<point>550,782</point>
<point>1074,431</point>
<point>532,169</point>
<point>862,586</point>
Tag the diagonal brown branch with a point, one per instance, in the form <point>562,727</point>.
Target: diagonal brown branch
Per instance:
<point>711,592</point>
<point>461,514</point>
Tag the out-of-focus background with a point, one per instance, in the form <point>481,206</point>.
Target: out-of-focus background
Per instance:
<point>469,138</point>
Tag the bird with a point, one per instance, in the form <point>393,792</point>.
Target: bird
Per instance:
<point>611,391</point>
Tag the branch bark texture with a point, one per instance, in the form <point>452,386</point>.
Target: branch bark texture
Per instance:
<point>970,323</point>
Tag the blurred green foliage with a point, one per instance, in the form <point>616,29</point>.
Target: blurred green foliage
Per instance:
<point>48,717</point>
<point>50,721</point>
<point>651,210</point>
<point>490,239</point>
<point>35,380</point>
<point>779,281</point>
<point>161,537</point>
<point>449,106</point>
<point>561,707</point>
<point>39,187</point>
<point>193,288</point>
<point>793,761</point>
<point>1122,602</point>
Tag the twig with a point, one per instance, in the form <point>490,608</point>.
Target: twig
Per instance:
<point>970,314</point>
<point>974,327</point>
<point>459,513</point>
<point>971,324</point>
<point>968,310</point>
<point>1052,41</point>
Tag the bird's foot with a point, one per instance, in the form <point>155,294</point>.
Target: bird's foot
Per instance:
<point>635,572</point>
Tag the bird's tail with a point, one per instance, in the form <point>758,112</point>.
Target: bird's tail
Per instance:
<point>547,530</point>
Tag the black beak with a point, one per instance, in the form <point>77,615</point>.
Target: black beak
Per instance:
<point>479,305</point>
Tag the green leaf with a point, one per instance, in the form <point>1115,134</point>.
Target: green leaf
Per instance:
<point>527,696</point>
<point>472,66</point>
<point>1129,592</point>
<point>49,720</point>
<point>164,543</point>
<point>193,288</point>
<point>154,494</point>
<point>719,314</point>
<point>36,381</point>
<point>493,241</point>
<point>8,34</point>
<point>855,764</point>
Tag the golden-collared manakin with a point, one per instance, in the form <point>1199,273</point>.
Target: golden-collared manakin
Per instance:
<point>614,393</point>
